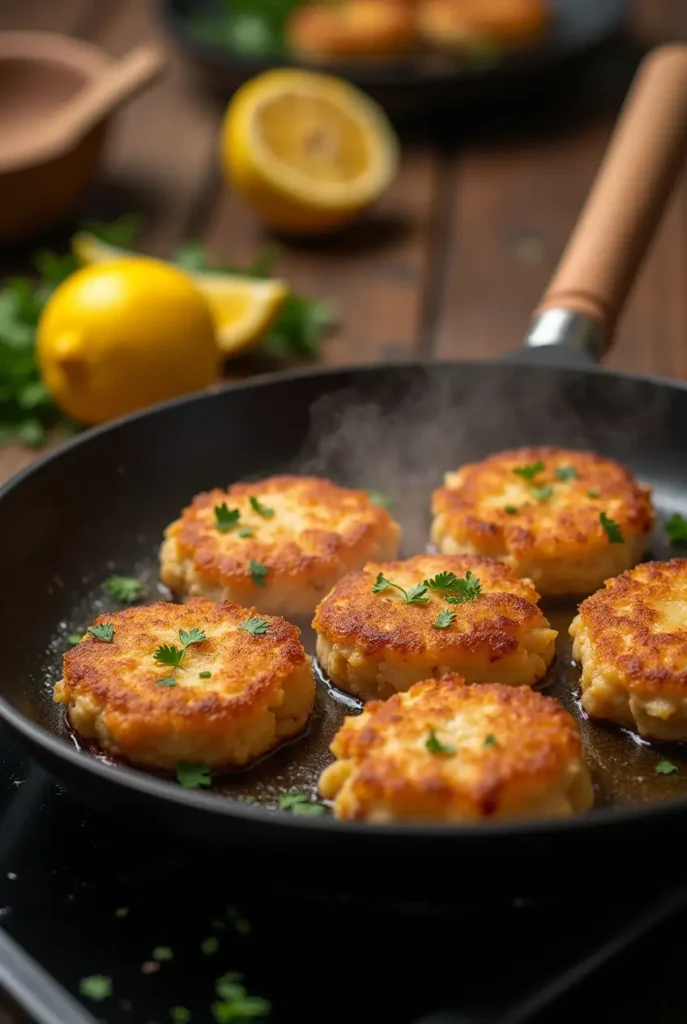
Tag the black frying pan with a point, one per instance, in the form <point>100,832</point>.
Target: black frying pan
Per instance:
<point>100,504</point>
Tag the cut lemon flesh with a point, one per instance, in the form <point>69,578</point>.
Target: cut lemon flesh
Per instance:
<point>243,309</point>
<point>308,152</point>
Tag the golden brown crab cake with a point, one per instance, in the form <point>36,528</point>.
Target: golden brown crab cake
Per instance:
<point>470,25</point>
<point>372,643</point>
<point>357,28</point>
<point>279,543</point>
<point>244,684</point>
<point>565,519</point>
<point>630,638</point>
<point>447,752</point>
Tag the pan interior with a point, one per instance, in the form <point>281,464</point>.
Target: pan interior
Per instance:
<point>100,508</point>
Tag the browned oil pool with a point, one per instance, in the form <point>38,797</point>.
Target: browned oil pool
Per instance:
<point>623,766</point>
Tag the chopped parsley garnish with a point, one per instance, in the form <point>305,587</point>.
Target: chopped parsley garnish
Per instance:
<point>542,493</point>
<point>529,472</point>
<point>234,1002</point>
<point>204,675</point>
<point>191,636</point>
<point>255,625</point>
<point>511,510</point>
<point>169,654</point>
<point>665,768</point>
<point>378,498</point>
<point>226,518</point>
<point>167,681</point>
<point>162,953</point>
<point>454,589</point>
<point>125,589</point>
<point>258,573</point>
<point>122,912</point>
<point>74,638</point>
<point>566,473</point>
<point>416,594</point>
<point>97,987</point>
<point>210,945</point>
<point>180,1014</point>
<point>262,510</point>
<point>104,632</point>
<point>593,494</point>
<point>444,619</point>
<point>676,529</point>
<point>246,531</point>
<point>490,740</point>
<point>435,747</point>
<point>193,774</point>
<point>613,531</point>
<point>299,803</point>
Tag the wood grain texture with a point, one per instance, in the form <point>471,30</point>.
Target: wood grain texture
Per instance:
<point>374,274</point>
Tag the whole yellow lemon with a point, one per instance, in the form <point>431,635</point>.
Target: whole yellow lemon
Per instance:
<point>116,337</point>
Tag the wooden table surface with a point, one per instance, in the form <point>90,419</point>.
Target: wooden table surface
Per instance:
<point>453,262</point>
<point>459,252</point>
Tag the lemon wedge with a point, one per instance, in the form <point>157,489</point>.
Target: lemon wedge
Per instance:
<point>242,309</point>
<point>307,152</point>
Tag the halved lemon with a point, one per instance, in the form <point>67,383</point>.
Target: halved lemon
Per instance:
<point>308,152</point>
<point>243,309</point>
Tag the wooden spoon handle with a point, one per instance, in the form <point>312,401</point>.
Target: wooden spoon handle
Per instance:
<point>641,166</point>
<point>120,82</point>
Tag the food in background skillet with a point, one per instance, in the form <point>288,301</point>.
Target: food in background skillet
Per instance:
<point>630,639</point>
<point>165,684</point>
<point>473,26</point>
<point>357,28</point>
<point>279,543</point>
<point>565,519</point>
<point>445,751</point>
<point>384,628</point>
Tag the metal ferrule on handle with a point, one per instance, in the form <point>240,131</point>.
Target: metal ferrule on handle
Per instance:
<point>566,327</point>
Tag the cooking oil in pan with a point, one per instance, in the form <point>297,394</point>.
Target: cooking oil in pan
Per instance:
<point>623,766</point>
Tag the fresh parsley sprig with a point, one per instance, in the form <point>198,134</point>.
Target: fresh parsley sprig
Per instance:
<point>255,625</point>
<point>258,573</point>
<point>300,804</point>
<point>566,473</point>
<point>676,529</point>
<point>530,471</point>
<point>444,619</point>
<point>125,589</point>
<point>226,518</point>
<point>416,594</point>
<point>104,632</point>
<point>611,528</point>
<point>433,745</point>
<point>455,589</point>
<point>169,654</point>
<point>261,509</point>
<point>193,775</point>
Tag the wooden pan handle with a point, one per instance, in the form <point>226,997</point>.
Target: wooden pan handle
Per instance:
<point>639,171</point>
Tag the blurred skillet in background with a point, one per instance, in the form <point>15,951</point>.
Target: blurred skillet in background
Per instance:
<point>413,81</point>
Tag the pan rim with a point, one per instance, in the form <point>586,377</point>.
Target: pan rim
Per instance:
<point>135,781</point>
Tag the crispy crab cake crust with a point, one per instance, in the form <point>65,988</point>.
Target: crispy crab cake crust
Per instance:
<point>630,639</point>
<point>318,532</point>
<point>261,689</point>
<point>358,28</point>
<point>467,24</point>
<point>514,753</point>
<point>373,645</point>
<point>559,542</point>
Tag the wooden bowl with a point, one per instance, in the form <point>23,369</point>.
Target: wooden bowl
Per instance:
<point>39,74</point>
